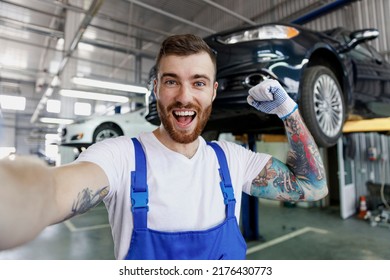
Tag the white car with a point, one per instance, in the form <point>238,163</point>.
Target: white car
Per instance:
<point>86,132</point>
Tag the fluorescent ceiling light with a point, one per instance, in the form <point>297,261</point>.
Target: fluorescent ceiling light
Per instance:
<point>82,109</point>
<point>11,102</point>
<point>109,85</point>
<point>85,47</point>
<point>56,120</point>
<point>100,108</point>
<point>14,57</point>
<point>53,106</point>
<point>60,44</point>
<point>93,95</point>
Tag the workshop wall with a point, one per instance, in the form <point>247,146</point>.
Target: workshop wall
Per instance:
<point>360,15</point>
<point>371,159</point>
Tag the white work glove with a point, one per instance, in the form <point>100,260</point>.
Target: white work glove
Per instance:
<point>271,98</point>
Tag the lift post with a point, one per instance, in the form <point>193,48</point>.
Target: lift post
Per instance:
<point>250,204</point>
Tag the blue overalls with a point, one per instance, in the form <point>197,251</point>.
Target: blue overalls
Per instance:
<point>223,241</point>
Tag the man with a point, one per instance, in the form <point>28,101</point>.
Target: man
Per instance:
<point>169,194</point>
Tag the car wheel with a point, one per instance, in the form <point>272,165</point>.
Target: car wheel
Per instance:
<point>105,131</point>
<point>322,105</point>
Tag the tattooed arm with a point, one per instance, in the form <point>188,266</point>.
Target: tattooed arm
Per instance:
<point>303,177</point>
<point>34,196</point>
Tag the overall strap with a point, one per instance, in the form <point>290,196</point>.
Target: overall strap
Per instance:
<point>139,188</point>
<point>226,183</point>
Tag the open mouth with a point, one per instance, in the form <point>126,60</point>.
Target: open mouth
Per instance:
<point>184,117</point>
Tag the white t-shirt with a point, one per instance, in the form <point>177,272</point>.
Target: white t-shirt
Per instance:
<point>184,194</point>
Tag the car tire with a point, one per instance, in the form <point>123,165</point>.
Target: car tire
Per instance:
<point>322,105</point>
<point>105,131</point>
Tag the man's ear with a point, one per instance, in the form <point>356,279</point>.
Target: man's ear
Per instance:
<point>155,82</point>
<point>215,90</point>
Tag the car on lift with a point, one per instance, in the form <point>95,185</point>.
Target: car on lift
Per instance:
<point>333,75</point>
<point>84,132</point>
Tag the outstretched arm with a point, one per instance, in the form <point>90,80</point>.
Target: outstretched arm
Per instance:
<point>303,176</point>
<point>33,196</point>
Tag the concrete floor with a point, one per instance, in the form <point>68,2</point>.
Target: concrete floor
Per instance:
<point>289,233</point>
<point>317,234</point>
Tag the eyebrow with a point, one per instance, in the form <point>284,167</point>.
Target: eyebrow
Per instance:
<point>163,75</point>
<point>196,76</point>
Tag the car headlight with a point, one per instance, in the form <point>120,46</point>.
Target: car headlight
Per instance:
<point>266,32</point>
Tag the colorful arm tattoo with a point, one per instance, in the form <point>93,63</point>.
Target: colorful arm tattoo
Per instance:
<point>303,177</point>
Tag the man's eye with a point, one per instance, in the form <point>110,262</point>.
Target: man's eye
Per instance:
<point>200,84</point>
<point>170,83</point>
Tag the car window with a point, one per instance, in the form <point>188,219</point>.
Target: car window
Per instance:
<point>341,36</point>
<point>375,53</point>
<point>362,52</point>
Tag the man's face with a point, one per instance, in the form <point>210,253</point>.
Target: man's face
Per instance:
<point>185,89</point>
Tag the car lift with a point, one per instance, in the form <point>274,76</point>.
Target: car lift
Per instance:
<point>250,204</point>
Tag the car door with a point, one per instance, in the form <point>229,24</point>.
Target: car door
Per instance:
<point>371,78</point>
<point>383,71</point>
<point>381,105</point>
<point>367,74</point>
<point>371,81</point>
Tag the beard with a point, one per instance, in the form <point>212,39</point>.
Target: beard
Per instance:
<point>181,136</point>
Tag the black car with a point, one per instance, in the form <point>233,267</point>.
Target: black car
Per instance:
<point>333,75</point>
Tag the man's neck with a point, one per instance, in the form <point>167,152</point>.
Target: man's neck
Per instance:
<point>187,150</point>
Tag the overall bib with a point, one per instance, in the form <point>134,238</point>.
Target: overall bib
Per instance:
<point>223,241</point>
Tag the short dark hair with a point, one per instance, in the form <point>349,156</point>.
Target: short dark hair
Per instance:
<point>184,45</point>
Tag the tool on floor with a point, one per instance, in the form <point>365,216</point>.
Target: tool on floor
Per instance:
<point>381,215</point>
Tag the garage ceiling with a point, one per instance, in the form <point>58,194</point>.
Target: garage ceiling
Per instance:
<point>45,43</point>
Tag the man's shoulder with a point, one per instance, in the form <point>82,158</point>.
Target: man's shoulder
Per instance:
<point>226,143</point>
<point>112,142</point>
<point>111,146</point>
<point>229,147</point>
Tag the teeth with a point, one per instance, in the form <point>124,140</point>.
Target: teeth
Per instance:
<point>184,113</point>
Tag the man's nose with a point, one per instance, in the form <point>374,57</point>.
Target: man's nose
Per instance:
<point>184,94</point>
